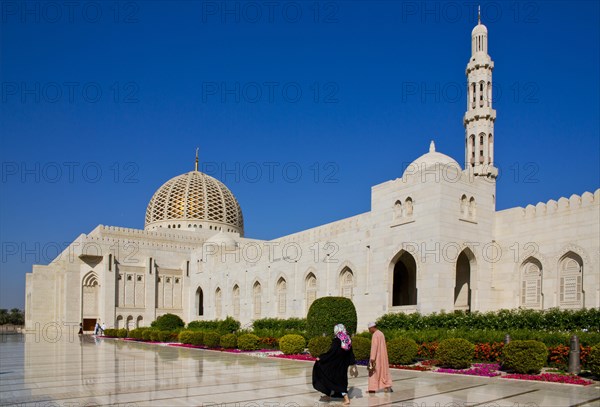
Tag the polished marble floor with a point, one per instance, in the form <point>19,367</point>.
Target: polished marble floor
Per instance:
<point>71,371</point>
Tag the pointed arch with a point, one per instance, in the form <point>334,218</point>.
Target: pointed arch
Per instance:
<point>346,282</point>
<point>310,284</point>
<point>531,283</point>
<point>257,299</point>
<point>281,289</point>
<point>218,303</point>
<point>90,296</point>
<point>199,302</point>
<point>464,270</point>
<point>403,269</point>
<point>235,295</point>
<point>570,281</point>
<point>408,206</point>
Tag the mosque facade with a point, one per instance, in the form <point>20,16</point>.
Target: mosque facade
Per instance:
<point>432,241</point>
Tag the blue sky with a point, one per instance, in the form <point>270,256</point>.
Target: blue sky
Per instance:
<point>298,107</point>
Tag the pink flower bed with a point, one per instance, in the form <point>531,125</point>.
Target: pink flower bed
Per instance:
<point>477,369</point>
<point>550,377</point>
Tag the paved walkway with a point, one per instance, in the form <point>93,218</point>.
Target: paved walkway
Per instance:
<point>88,372</point>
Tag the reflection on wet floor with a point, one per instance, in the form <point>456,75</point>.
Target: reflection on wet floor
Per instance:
<point>83,370</point>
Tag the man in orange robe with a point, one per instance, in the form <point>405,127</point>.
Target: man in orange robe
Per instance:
<point>379,371</point>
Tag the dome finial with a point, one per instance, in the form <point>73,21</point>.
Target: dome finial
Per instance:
<point>478,14</point>
<point>432,147</point>
<point>196,166</point>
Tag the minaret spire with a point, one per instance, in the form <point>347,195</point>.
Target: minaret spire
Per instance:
<point>480,117</point>
<point>196,166</point>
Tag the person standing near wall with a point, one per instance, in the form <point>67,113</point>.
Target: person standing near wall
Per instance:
<point>379,364</point>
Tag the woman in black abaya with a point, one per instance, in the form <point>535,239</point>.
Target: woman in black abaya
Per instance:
<point>330,372</point>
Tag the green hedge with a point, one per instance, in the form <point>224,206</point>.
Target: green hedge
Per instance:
<point>275,324</point>
<point>292,344</point>
<point>326,312</point>
<point>190,337</point>
<point>553,319</point>
<point>455,353</point>
<point>248,342</point>
<point>402,351</point>
<point>361,347</point>
<point>228,341</point>
<point>594,361</point>
<point>524,356</point>
<point>492,336</point>
<point>319,345</point>
<point>227,325</point>
<point>167,322</point>
<point>212,339</point>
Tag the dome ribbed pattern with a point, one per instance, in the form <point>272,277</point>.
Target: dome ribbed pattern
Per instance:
<point>195,196</point>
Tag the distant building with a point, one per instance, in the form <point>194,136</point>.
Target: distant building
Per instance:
<point>432,241</point>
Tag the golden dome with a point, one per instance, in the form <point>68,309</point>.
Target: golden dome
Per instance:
<point>194,200</point>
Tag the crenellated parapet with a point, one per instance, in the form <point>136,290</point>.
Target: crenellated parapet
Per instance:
<point>562,205</point>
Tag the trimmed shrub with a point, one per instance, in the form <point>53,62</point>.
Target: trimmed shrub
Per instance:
<point>326,312</point>
<point>248,342</point>
<point>593,362</point>
<point>319,345</point>
<point>147,334</point>
<point>185,337</point>
<point>361,347</point>
<point>276,324</point>
<point>155,335</point>
<point>167,322</point>
<point>292,344</point>
<point>228,341</point>
<point>455,353</point>
<point>110,332</point>
<point>224,326</point>
<point>212,339</point>
<point>122,333</point>
<point>402,351</point>
<point>137,333</point>
<point>524,356</point>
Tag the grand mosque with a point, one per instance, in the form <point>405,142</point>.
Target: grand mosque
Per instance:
<point>432,241</point>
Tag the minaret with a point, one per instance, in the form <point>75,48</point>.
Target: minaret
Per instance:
<point>480,117</point>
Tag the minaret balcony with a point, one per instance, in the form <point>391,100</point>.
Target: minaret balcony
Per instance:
<point>480,113</point>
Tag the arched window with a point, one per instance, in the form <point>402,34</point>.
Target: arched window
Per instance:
<point>311,290</point>
<point>464,206</point>
<point>199,302</point>
<point>346,283</point>
<point>408,206</point>
<point>571,281</point>
<point>531,283</point>
<point>257,295</point>
<point>397,210</point>
<point>218,303</point>
<point>236,301</point>
<point>472,208</point>
<point>281,296</point>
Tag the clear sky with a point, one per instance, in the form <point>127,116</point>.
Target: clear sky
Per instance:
<point>298,107</point>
